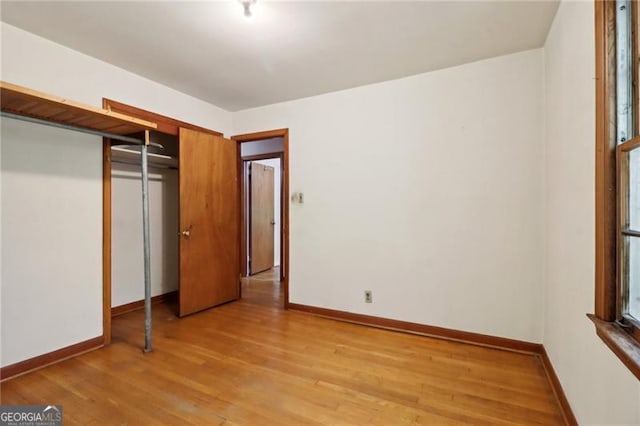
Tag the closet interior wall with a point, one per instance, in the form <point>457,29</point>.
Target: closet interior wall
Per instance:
<point>126,223</point>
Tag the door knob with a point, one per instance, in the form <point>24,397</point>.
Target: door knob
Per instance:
<point>185,233</point>
<point>273,222</point>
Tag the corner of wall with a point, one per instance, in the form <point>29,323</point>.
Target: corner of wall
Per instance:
<point>544,196</point>
<point>586,368</point>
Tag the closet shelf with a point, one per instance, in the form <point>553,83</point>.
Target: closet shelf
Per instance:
<point>26,102</point>
<point>131,156</point>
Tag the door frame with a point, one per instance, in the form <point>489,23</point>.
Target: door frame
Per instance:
<point>284,198</point>
<point>165,125</point>
<point>246,234</point>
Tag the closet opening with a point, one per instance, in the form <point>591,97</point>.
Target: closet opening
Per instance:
<point>264,189</point>
<point>123,289</point>
<point>126,249</point>
<point>127,290</point>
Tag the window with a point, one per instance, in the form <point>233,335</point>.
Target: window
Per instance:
<point>628,262</point>
<point>617,310</point>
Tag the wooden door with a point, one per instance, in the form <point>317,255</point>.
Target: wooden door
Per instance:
<point>262,217</point>
<point>209,221</point>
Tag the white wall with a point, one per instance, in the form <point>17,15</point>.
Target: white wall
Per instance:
<point>126,217</point>
<point>51,231</point>
<point>275,163</point>
<point>426,190</point>
<point>51,194</point>
<point>600,389</point>
<point>40,64</point>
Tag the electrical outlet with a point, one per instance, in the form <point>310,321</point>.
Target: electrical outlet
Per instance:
<point>368,296</point>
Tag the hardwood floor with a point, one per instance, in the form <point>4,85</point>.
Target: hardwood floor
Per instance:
<point>251,363</point>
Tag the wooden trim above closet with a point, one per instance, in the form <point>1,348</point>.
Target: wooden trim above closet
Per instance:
<point>42,106</point>
<point>165,124</point>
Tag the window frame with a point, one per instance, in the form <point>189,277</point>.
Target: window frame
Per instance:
<point>620,335</point>
<point>623,150</point>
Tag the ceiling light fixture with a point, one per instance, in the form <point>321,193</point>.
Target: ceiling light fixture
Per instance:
<point>246,4</point>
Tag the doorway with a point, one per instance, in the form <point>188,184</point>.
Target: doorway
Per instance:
<point>264,241</point>
<point>262,218</point>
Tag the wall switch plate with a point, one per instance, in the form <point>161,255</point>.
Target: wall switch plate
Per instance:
<point>297,197</point>
<point>368,296</point>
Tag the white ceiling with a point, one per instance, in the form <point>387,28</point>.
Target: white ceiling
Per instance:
<point>289,50</point>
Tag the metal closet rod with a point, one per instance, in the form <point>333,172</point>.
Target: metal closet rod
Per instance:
<point>125,146</point>
<point>71,127</point>
<point>151,166</point>
<point>146,245</point>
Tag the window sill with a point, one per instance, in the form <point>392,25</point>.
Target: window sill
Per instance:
<point>620,342</point>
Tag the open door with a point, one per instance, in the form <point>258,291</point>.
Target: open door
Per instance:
<point>209,221</point>
<point>262,219</point>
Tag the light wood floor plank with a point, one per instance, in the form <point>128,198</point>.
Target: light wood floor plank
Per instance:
<point>251,363</point>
